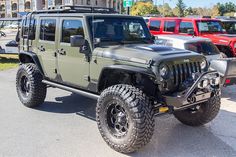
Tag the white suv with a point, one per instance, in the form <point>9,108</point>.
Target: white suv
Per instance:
<point>200,45</point>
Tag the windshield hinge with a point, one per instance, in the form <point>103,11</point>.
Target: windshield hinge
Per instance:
<point>150,62</point>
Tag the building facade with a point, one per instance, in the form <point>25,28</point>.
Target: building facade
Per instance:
<point>11,8</point>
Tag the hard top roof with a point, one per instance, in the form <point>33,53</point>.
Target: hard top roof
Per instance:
<point>181,38</point>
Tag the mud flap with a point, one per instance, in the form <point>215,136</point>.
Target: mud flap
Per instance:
<point>227,70</point>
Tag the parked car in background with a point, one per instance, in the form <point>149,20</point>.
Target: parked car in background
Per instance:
<point>202,27</point>
<point>9,28</point>
<point>200,45</point>
<point>229,23</point>
<point>9,23</point>
<point>204,46</point>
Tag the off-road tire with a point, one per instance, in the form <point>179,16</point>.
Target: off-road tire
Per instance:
<point>37,89</point>
<point>140,112</point>
<point>207,112</point>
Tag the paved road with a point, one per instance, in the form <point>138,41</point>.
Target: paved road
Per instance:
<point>64,126</point>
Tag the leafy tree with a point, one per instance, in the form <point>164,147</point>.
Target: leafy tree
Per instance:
<point>165,10</point>
<point>180,6</point>
<point>226,8</point>
<point>190,11</point>
<point>215,11</point>
<point>144,8</point>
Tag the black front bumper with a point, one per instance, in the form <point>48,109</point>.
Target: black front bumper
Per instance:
<point>194,95</point>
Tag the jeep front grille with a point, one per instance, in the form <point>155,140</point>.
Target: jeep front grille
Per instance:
<point>185,70</point>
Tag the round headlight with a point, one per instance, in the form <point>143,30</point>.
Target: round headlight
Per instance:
<point>203,64</point>
<point>164,70</point>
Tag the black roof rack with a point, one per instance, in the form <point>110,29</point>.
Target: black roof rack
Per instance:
<point>67,9</point>
<point>77,9</point>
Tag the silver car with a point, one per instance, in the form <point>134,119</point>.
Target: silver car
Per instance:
<point>200,45</point>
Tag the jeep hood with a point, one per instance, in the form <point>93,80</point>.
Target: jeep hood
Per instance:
<point>145,53</point>
<point>224,39</point>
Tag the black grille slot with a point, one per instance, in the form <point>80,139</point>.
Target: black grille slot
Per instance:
<point>182,72</point>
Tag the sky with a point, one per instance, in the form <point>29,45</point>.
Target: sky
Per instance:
<point>194,3</point>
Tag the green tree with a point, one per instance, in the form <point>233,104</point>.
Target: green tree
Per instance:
<point>144,8</point>
<point>190,11</point>
<point>165,10</point>
<point>180,6</point>
<point>215,11</point>
<point>226,8</point>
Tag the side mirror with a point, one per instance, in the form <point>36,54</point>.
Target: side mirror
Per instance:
<point>190,32</point>
<point>77,41</point>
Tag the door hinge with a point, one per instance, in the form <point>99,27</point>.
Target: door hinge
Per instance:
<point>55,70</point>
<point>55,54</point>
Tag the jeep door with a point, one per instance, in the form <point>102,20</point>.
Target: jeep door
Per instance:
<point>46,45</point>
<point>72,65</point>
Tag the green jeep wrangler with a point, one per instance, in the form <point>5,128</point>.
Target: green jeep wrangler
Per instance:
<point>110,57</point>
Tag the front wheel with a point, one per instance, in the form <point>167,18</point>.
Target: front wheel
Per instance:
<point>125,118</point>
<point>201,113</point>
<point>30,89</point>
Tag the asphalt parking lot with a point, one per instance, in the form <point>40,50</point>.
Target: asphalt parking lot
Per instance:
<point>65,126</point>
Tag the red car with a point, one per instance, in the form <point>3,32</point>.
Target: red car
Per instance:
<point>203,27</point>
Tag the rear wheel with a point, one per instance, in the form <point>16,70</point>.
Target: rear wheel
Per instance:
<point>30,89</point>
<point>201,113</point>
<point>125,118</point>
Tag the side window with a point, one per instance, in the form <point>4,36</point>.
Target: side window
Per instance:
<point>70,28</point>
<point>28,28</point>
<point>48,29</point>
<point>185,26</point>
<point>169,26</point>
<point>155,25</point>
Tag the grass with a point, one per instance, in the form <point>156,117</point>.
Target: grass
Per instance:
<point>8,61</point>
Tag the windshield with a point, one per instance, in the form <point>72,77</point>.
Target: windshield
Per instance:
<point>230,27</point>
<point>210,27</point>
<point>119,30</point>
<point>205,48</point>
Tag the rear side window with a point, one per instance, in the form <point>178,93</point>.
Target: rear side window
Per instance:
<point>70,28</point>
<point>169,26</point>
<point>185,26</point>
<point>48,29</point>
<point>28,28</point>
<point>155,25</point>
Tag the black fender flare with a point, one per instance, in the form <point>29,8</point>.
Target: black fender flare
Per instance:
<point>24,57</point>
<point>126,68</point>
